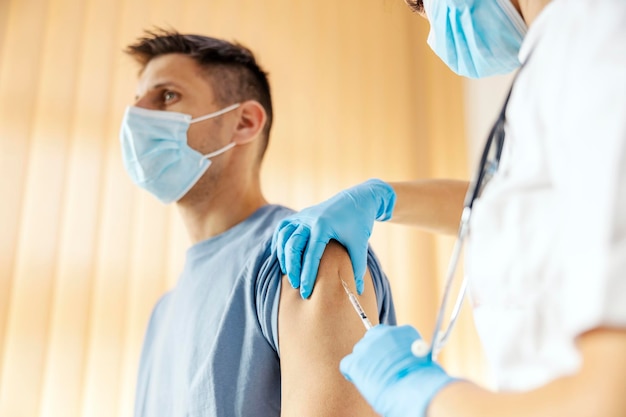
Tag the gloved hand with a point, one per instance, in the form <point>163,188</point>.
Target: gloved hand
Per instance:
<point>395,382</point>
<point>348,217</point>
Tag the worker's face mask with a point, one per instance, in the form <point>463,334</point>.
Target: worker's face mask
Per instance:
<point>476,38</point>
<point>156,154</point>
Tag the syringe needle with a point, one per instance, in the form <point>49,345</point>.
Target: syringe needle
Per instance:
<point>357,306</point>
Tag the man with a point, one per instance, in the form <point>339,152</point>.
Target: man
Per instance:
<point>226,341</point>
<point>547,251</point>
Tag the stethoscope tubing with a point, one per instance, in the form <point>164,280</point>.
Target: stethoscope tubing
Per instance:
<point>420,348</point>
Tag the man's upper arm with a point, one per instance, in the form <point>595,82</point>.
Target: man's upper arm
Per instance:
<point>315,334</point>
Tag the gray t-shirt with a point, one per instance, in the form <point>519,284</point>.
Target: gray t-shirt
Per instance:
<point>211,348</point>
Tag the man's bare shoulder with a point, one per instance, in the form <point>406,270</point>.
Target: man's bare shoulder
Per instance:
<point>315,334</point>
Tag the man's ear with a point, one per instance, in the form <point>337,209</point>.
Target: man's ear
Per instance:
<point>252,118</point>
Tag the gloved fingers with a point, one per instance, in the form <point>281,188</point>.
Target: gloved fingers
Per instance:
<point>372,336</point>
<point>358,257</point>
<point>311,262</point>
<point>383,351</point>
<point>383,340</point>
<point>357,365</point>
<point>280,239</point>
<point>294,249</point>
<point>350,365</point>
<point>402,336</point>
<point>389,376</point>
<point>346,366</point>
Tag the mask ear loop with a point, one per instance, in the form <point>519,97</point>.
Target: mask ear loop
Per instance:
<point>210,116</point>
<point>215,114</point>
<point>218,152</point>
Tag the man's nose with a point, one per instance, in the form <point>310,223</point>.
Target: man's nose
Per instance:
<point>145,103</point>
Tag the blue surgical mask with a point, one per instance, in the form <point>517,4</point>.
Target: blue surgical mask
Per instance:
<point>156,154</point>
<point>476,38</point>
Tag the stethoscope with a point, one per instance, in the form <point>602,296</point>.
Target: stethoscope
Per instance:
<point>488,166</point>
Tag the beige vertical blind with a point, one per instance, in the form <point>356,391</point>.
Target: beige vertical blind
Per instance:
<point>84,255</point>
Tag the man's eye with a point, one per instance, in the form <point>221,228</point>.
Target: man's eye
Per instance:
<point>169,96</point>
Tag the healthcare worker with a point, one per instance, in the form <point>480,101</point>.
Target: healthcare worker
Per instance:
<point>546,255</point>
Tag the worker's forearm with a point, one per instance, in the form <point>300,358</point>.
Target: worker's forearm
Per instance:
<point>596,390</point>
<point>431,205</point>
<point>464,399</point>
<point>558,399</point>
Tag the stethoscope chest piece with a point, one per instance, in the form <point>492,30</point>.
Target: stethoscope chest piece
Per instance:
<point>420,348</point>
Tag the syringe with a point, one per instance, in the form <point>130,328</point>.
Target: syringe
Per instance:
<point>357,306</point>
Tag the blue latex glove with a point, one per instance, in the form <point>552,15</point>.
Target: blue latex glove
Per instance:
<point>395,382</point>
<point>348,218</point>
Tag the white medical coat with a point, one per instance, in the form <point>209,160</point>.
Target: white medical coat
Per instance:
<point>547,253</point>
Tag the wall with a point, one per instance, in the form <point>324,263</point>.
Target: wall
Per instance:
<point>84,255</point>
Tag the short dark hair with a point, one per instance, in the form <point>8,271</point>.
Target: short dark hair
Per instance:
<point>415,5</point>
<point>234,73</point>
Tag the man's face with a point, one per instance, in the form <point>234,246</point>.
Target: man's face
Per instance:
<point>175,82</point>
